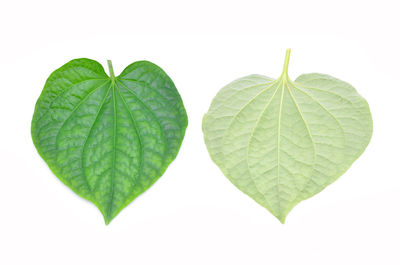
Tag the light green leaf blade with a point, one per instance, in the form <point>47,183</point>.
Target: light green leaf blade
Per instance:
<point>280,141</point>
<point>108,138</point>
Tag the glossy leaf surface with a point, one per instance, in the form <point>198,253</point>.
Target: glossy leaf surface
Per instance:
<point>280,141</point>
<point>108,138</point>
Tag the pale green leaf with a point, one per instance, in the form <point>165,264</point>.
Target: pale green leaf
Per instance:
<point>108,138</point>
<point>280,141</point>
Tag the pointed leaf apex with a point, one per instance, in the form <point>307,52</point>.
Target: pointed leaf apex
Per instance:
<point>282,219</point>
<point>107,219</point>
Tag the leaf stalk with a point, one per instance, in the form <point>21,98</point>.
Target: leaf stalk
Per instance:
<point>111,69</point>
<point>286,65</point>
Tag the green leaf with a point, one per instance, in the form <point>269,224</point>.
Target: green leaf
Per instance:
<point>108,138</point>
<point>280,141</point>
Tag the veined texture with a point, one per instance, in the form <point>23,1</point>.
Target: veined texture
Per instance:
<point>108,138</point>
<point>280,141</point>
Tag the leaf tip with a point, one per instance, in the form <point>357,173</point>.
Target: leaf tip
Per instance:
<point>107,217</point>
<point>282,219</point>
<point>107,220</point>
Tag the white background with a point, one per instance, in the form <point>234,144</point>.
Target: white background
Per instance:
<point>193,214</point>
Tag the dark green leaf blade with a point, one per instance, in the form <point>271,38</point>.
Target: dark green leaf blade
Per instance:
<point>108,138</point>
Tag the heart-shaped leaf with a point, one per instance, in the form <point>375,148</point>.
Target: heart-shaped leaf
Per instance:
<point>108,138</point>
<point>280,141</point>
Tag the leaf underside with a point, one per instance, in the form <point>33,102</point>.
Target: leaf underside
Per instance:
<point>108,138</point>
<point>280,141</point>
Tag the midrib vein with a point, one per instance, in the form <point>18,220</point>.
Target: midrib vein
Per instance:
<point>114,153</point>
<point>279,146</point>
